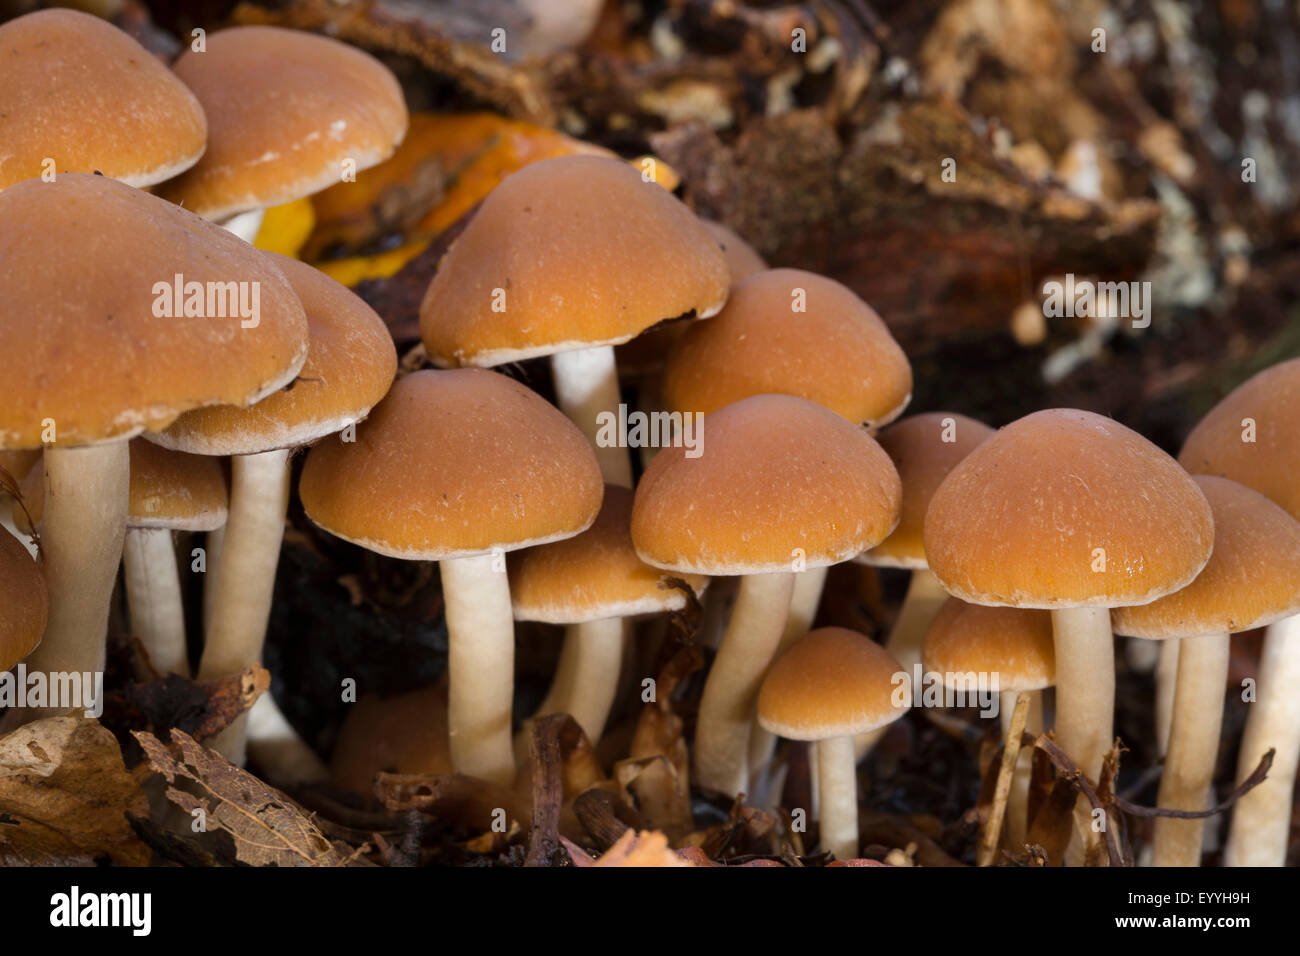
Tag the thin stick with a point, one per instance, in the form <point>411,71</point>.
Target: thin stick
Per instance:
<point>1010,754</point>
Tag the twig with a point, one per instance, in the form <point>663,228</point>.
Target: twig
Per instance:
<point>1247,785</point>
<point>1010,754</point>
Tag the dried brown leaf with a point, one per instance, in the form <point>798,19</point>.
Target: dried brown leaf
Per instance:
<point>65,794</point>
<point>267,827</point>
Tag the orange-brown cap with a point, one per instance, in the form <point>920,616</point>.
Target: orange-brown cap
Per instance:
<point>832,682</point>
<point>924,448</point>
<point>1252,580</point>
<point>24,602</point>
<point>1014,643</point>
<point>286,111</point>
<point>405,733</point>
<point>795,333</point>
<point>742,259</point>
<point>96,343</point>
<point>1253,436</point>
<point>169,489</point>
<point>84,94</point>
<point>779,483</point>
<point>351,361</point>
<point>453,464</point>
<point>19,462</point>
<point>568,253</point>
<point>1064,508</point>
<point>594,575</point>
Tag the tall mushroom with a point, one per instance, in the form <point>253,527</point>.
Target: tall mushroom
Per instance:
<point>1012,645</point>
<point>782,484</point>
<point>1253,437</point>
<point>459,467</point>
<point>567,258</point>
<point>98,347</point>
<point>591,583</point>
<point>169,492</point>
<point>289,113</point>
<point>83,94</point>
<point>830,684</point>
<point>1072,512</point>
<point>1252,580</point>
<point>351,361</point>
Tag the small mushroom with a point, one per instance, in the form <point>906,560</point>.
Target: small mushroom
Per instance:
<point>592,583</point>
<point>830,684</point>
<point>1012,646</point>
<point>289,113</point>
<point>460,467</point>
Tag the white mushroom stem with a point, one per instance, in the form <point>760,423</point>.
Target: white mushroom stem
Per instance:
<point>82,529</point>
<point>276,747</point>
<point>807,597</point>
<point>245,224</point>
<point>1261,819</point>
<point>925,595</point>
<point>1017,825</point>
<point>211,563</point>
<point>245,582</point>
<point>1193,747</point>
<point>481,666</point>
<point>837,778</point>
<point>1085,697</point>
<point>1166,683</point>
<point>586,384</point>
<point>731,691</point>
<point>586,677</point>
<point>153,594</point>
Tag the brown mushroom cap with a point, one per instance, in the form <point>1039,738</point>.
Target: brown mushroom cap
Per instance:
<point>19,462</point>
<point>83,93</point>
<point>80,261</point>
<point>593,575</point>
<point>1271,463</point>
<point>1252,580</point>
<point>169,490</point>
<point>1014,643</point>
<point>1064,508</point>
<point>776,474</point>
<point>285,110</point>
<point>24,602</point>
<point>405,733</point>
<point>923,458</point>
<point>453,464</point>
<point>832,682</point>
<point>351,361</point>
<point>742,259</point>
<point>837,353</point>
<point>585,253</point>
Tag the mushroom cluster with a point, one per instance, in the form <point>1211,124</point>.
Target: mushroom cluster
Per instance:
<point>165,392</point>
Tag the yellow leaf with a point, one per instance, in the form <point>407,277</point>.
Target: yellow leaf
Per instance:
<point>285,228</point>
